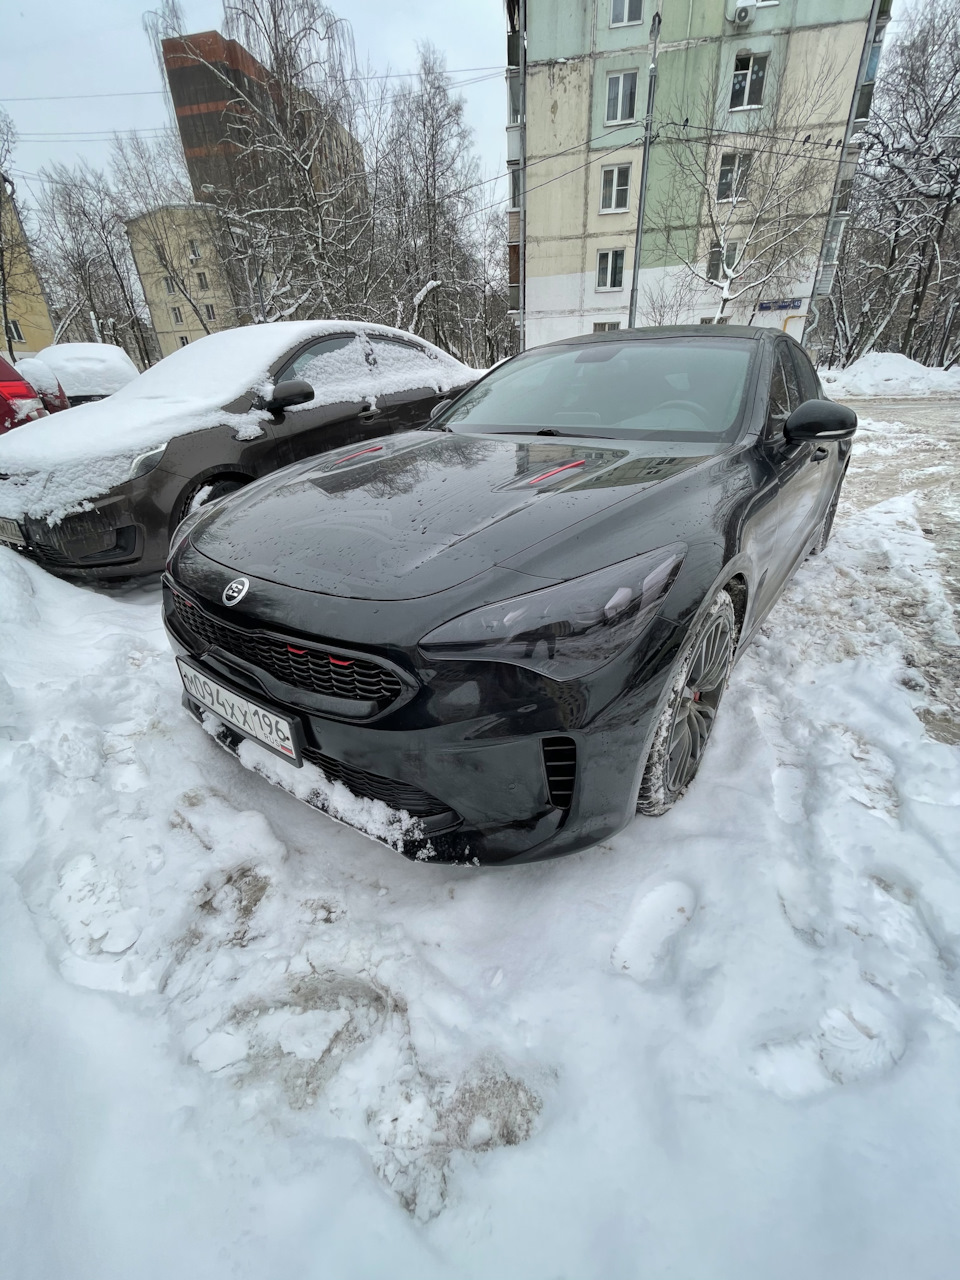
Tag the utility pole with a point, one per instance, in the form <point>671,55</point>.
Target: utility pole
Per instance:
<point>644,167</point>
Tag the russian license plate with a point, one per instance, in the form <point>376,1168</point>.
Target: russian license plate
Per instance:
<point>248,718</point>
<point>11,532</point>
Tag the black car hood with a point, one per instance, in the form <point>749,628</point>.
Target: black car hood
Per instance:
<point>425,511</point>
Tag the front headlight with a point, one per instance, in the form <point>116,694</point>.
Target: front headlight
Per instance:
<point>567,630</point>
<point>146,462</point>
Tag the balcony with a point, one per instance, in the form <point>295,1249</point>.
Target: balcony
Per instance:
<point>514,151</point>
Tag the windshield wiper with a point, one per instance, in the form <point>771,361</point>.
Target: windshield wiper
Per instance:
<point>552,431</point>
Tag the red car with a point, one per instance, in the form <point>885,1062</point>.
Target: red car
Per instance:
<point>21,401</point>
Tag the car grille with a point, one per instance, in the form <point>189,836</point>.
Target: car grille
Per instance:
<point>304,667</point>
<point>560,763</point>
<point>398,795</point>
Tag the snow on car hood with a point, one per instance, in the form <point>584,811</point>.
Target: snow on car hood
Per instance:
<point>58,463</point>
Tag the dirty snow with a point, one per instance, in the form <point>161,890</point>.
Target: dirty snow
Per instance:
<point>89,368</point>
<point>244,1041</point>
<point>81,453</point>
<point>887,373</point>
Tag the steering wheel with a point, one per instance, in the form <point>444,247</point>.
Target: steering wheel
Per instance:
<point>684,404</point>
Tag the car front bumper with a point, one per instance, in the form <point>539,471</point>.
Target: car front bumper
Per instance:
<point>483,786</point>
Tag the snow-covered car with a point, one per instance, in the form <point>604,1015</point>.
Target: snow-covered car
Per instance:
<point>98,494</point>
<point>89,370</point>
<point>45,382</point>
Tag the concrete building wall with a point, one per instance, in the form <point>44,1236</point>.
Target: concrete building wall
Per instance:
<point>31,328</point>
<point>571,49</point>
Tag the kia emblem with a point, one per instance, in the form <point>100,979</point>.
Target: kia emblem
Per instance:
<point>235,590</point>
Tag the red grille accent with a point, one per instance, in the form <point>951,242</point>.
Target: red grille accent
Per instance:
<point>567,466</point>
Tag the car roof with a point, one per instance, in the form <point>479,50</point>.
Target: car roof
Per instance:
<point>710,331</point>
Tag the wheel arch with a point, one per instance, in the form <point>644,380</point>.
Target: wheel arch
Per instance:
<point>209,475</point>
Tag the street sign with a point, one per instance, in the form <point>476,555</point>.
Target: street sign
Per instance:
<point>781,304</point>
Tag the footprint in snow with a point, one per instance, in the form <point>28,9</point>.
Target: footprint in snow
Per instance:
<point>655,918</point>
<point>852,1043</point>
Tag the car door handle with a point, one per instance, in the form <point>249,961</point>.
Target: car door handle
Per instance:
<point>368,415</point>
<point>820,453</point>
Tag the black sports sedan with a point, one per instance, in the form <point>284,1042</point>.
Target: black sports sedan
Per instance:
<point>96,493</point>
<point>497,640</point>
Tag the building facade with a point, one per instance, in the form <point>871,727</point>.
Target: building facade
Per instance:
<point>182,273</point>
<point>28,325</point>
<point>753,144</point>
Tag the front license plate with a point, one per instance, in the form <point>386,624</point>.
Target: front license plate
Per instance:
<point>248,718</point>
<point>12,532</point>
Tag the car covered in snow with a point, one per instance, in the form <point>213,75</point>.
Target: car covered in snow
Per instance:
<point>96,493</point>
<point>88,370</point>
<point>27,393</point>
<point>512,632</point>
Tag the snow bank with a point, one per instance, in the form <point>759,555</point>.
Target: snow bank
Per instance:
<point>885,373</point>
<point>89,368</point>
<point>81,453</point>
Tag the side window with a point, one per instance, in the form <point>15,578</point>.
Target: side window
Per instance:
<point>402,364</point>
<point>785,392</point>
<point>809,382</point>
<point>334,367</point>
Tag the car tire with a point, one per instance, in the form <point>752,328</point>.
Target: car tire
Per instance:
<point>202,494</point>
<point>686,722</point>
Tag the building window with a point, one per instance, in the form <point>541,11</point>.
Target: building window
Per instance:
<point>605,326</point>
<point>516,186</point>
<point>210,313</point>
<point>614,188</point>
<point>177,314</point>
<point>624,12</point>
<point>714,319</point>
<point>513,99</point>
<point>194,249</point>
<point>202,280</point>
<point>843,195</point>
<point>621,96</point>
<point>749,73</point>
<point>14,332</point>
<point>610,269</point>
<point>184,341</point>
<point>831,241</point>
<point>722,257</point>
<point>513,297</point>
<point>734,169</point>
<point>168,284</point>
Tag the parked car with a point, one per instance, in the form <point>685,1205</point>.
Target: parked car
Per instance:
<point>89,370</point>
<point>514,630</point>
<point>45,382</point>
<point>19,399</point>
<point>98,496</point>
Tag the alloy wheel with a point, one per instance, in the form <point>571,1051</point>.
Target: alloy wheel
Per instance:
<point>698,701</point>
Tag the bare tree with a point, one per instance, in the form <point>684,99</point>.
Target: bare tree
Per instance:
<point>762,182</point>
<point>17,275</point>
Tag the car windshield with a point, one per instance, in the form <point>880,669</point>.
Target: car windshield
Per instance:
<point>664,389</point>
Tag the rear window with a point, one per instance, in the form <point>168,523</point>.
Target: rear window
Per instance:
<point>649,389</point>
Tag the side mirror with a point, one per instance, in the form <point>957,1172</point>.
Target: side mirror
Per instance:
<point>820,420</point>
<point>287,394</point>
<point>439,407</point>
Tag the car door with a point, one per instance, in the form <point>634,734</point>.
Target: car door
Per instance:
<point>802,478</point>
<point>406,376</point>
<point>342,410</point>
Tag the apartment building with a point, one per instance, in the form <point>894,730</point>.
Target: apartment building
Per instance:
<point>29,328</point>
<point>754,126</point>
<point>183,275</point>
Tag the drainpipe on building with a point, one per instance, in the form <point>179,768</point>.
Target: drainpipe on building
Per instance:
<point>523,176</point>
<point>644,169</point>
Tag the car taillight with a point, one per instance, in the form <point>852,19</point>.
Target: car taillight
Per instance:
<point>16,389</point>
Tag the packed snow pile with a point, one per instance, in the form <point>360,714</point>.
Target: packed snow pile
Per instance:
<point>58,463</point>
<point>89,368</point>
<point>887,374</point>
<point>241,1039</point>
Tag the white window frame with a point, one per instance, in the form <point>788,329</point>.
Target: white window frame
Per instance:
<point>515,181</point>
<point>168,284</point>
<point>728,258</point>
<point>177,313</point>
<point>738,185</point>
<point>616,170</point>
<point>14,331</point>
<point>608,254</point>
<point>202,280</point>
<point>619,75</point>
<point>626,20</point>
<point>210,311</point>
<point>745,53</point>
<point>184,341</point>
<point>606,326</point>
<point>195,254</point>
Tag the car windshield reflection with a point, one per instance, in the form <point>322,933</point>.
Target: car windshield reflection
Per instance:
<point>656,390</point>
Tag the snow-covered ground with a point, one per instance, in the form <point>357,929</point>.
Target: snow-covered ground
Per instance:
<point>887,373</point>
<point>242,1041</point>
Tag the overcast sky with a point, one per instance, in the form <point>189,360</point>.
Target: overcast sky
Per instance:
<point>56,48</point>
